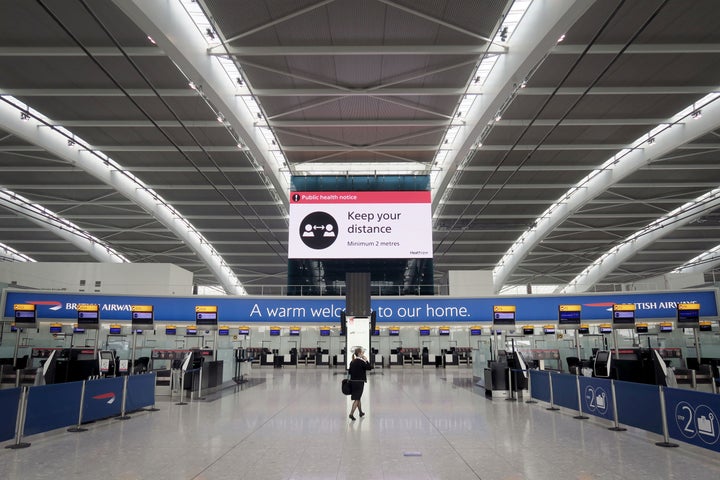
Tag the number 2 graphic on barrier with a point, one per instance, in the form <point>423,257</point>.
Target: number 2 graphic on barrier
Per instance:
<point>701,422</point>
<point>596,399</point>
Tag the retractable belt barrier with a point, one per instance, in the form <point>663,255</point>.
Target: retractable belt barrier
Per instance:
<point>37,409</point>
<point>687,415</point>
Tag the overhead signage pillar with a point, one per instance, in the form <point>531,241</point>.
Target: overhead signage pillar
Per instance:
<point>569,316</point>
<point>23,311</point>
<point>94,311</point>
<point>358,328</point>
<point>207,316</point>
<point>503,316</point>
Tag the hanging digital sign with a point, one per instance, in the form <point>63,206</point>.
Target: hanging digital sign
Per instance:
<point>88,315</point>
<point>142,315</point>
<point>206,315</point>
<point>624,315</point>
<point>569,314</point>
<point>504,315</point>
<point>363,224</point>
<point>688,315</point>
<point>24,314</point>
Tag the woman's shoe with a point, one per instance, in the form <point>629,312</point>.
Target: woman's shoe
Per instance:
<point>362,414</point>
<point>351,417</point>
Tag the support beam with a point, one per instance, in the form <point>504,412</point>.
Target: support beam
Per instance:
<point>359,123</point>
<point>97,92</point>
<point>387,148</point>
<point>350,50</point>
<point>361,92</point>
<point>628,90</point>
<point>640,240</point>
<point>430,18</point>
<point>108,172</point>
<point>702,263</point>
<point>9,254</point>
<point>68,231</point>
<point>612,171</point>
<point>78,52</point>
<point>638,49</point>
<point>542,25</point>
<point>170,26</point>
<point>279,20</point>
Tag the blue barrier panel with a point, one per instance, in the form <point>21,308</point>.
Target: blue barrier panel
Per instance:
<point>596,397</point>
<point>141,392</point>
<point>565,390</point>
<point>52,406</point>
<point>639,405</point>
<point>103,398</point>
<point>540,385</point>
<point>9,401</point>
<point>693,417</point>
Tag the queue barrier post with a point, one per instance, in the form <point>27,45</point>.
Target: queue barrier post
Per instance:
<point>511,398</point>
<point>78,428</point>
<point>123,415</point>
<point>616,424</point>
<point>552,406</point>
<point>666,435</point>
<point>182,389</point>
<point>580,415</point>
<point>530,399</point>
<point>199,390</point>
<point>20,422</point>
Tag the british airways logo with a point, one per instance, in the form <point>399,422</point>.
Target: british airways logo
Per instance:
<point>110,397</point>
<point>49,303</point>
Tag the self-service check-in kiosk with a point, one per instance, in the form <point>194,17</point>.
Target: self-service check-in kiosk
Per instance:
<point>497,376</point>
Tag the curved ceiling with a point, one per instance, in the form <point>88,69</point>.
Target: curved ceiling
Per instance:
<point>546,155</point>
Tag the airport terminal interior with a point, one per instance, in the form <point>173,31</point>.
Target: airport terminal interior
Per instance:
<point>510,207</point>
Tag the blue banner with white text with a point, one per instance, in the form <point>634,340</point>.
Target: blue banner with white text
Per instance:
<point>596,396</point>
<point>405,309</point>
<point>693,417</point>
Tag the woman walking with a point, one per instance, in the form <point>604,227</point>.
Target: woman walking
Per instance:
<point>358,377</point>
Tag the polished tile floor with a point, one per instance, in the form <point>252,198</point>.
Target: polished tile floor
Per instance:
<point>293,424</point>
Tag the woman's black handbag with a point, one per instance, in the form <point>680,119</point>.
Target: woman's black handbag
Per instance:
<point>346,386</point>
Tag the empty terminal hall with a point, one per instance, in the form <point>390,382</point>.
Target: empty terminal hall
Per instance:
<point>360,239</point>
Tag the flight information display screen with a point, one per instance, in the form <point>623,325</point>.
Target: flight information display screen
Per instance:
<point>206,318</point>
<point>504,318</point>
<point>88,318</point>
<point>142,319</point>
<point>25,316</point>
<point>569,317</point>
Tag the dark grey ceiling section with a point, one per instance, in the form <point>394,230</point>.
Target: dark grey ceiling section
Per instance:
<point>350,84</point>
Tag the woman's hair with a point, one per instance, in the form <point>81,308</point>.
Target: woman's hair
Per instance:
<point>358,351</point>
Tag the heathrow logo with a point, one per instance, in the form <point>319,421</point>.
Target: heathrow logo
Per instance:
<point>110,396</point>
<point>54,306</point>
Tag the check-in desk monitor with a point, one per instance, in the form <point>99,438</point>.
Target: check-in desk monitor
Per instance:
<point>88,319</point>
<point>25,318</point>
<point>142,320</point>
